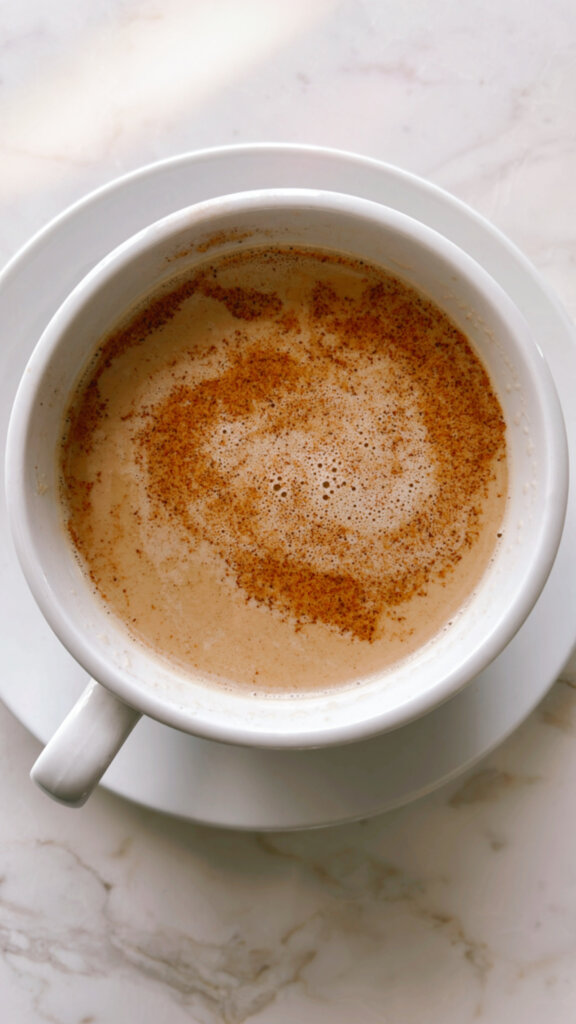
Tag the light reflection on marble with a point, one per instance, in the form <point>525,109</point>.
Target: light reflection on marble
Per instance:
<point>461,907</point>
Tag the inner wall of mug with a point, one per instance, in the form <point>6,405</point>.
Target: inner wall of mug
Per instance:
<point>533,521</point>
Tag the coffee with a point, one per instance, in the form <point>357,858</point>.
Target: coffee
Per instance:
<point>286,471</point>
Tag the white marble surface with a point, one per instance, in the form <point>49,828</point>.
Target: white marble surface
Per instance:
<point>458,908</point>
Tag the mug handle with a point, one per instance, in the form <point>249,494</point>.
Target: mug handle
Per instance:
<point>76,757</point>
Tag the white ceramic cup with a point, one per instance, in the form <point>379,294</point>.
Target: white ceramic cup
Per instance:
<point>130,681</point>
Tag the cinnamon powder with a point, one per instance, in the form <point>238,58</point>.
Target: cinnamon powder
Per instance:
<point>295,449</point>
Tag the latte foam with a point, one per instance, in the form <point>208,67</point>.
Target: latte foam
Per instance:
<point>286,471</point>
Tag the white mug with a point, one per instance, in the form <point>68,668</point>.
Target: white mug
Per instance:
<point>128,680</point>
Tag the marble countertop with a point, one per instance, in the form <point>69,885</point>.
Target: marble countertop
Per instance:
<point>461,906</point>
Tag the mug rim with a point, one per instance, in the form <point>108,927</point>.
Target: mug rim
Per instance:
<point>93,657</point>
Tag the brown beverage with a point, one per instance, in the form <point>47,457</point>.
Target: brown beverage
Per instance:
<point>286,471</point>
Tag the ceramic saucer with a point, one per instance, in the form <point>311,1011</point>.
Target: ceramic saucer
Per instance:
<point>227,786</point>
